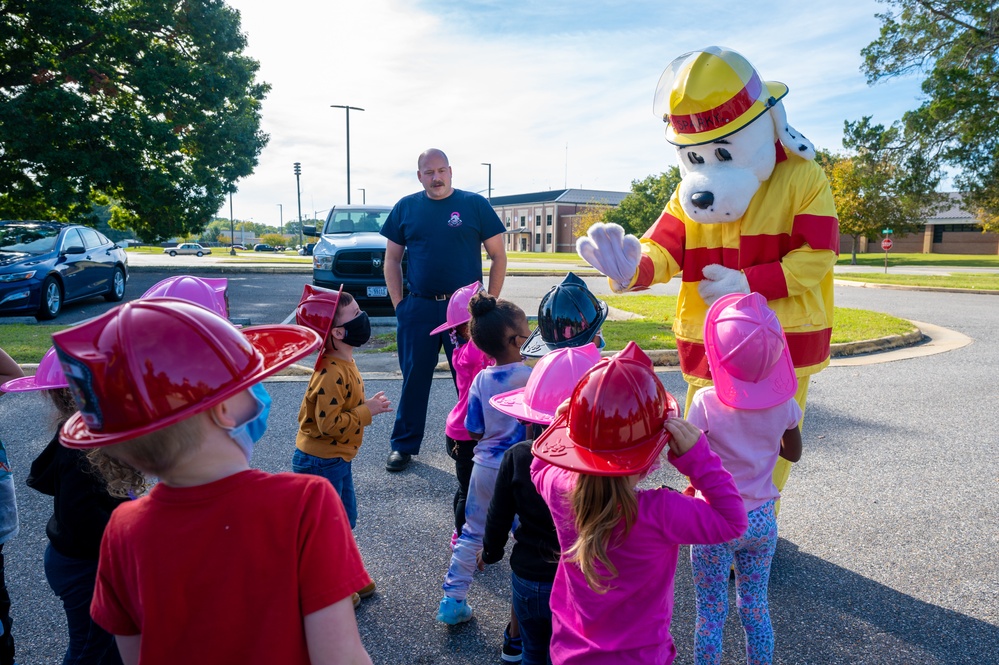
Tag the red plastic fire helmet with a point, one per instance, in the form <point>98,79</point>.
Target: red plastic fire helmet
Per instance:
<point>317,309</point>
<point>614,423</point>
<point>151,363</point>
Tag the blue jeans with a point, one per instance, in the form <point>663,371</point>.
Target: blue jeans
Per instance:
<point>73,581</point>
<point>418,354</point>
<point>337,471</point>
<point>534,614</point>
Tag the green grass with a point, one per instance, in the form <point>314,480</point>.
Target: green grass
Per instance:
<point>655,331</point>
<point>979,281</point>
<point>27,343</point>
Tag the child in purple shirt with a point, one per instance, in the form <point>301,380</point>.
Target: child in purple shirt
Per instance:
<point>612,599</point>
<point>499,328</point>
<point>750,417</point>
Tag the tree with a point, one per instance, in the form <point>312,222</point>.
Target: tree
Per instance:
<point>148,107</point>
<point>879,186</point>
<point>591,215</point>
<point>642,207</point>
<point>954,45</point>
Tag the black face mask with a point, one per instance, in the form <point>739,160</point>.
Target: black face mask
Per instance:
<point>357,331</point>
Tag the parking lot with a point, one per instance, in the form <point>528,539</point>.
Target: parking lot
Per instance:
<point>887,533</point>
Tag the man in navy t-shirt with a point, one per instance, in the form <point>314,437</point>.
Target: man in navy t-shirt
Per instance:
<point>442,229</point>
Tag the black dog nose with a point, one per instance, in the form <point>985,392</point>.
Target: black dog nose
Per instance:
<point>702,200</point>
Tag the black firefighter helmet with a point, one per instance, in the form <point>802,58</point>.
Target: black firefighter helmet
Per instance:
<point>569,316</point>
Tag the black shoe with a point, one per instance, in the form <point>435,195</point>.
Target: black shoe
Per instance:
<point>397,461</point>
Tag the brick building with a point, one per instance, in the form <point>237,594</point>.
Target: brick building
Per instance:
<point>953,230</point>
<point>545,221</point>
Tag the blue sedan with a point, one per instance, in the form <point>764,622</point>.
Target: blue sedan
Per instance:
<point>44,265</point>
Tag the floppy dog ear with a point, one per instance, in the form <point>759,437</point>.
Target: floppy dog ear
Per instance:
<point>790,137</point>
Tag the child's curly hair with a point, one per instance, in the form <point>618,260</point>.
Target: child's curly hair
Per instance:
<point>492,320</point>
<point>120,479</point>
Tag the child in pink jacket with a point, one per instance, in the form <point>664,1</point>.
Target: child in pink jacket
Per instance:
<point>467,360</point>
<point>612,600</point>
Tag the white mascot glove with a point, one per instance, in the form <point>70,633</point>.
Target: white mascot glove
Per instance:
<point>718,281</point>
<point>609,250</point>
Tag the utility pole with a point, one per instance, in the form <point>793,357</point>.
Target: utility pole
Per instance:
<point>298,187</point>
<point>364,196</point>
<point>490,197</point>
<point>347,108</point>
<point>232,228</point>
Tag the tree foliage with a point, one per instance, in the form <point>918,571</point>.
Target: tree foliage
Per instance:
<point>954,46</point>
<point>147,106</point>
<point>591,215</point>
<point>878,185</point>
<point>642,207</point>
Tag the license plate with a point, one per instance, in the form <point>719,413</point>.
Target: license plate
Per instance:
<point>377,291</point>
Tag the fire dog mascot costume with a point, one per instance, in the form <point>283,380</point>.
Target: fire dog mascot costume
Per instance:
<point>753,212</point>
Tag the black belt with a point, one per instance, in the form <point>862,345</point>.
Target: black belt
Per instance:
<point>440,297</point>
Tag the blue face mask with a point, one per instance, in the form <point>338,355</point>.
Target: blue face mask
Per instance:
<point>247,434</point>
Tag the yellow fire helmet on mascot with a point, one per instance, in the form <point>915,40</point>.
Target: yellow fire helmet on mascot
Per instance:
<point>709,94</point>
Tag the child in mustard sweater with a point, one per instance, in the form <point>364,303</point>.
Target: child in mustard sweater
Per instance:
<point>334,412</point>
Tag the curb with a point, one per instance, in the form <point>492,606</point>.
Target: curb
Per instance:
<point>906,287</point>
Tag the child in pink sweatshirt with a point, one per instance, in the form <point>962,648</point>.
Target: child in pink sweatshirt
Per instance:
<point>612,600</point>
<point>467,360</point>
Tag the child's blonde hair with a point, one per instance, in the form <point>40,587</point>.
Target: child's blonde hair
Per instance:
<point>599,504</point>
<point>160,450</point>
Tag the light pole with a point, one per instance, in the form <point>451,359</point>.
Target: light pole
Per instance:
<point>347,108</point>
<point>232,228</point>
<point>490,180</point>
<point>298,187</point>
<point>364,196</point>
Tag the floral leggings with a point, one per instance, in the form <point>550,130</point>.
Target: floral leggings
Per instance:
<point>752,552</point>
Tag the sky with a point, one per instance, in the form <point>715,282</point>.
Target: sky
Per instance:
<point>551,93</point>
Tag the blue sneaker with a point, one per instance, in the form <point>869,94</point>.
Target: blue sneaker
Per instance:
<point>453,612</point>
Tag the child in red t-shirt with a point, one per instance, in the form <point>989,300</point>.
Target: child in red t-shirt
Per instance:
<point>219,563</point>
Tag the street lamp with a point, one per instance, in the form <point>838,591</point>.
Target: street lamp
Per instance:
<point>232,228</point>
<point>298,186</point>
<point>490,180</point>
<point>347,108</point>
<point>364,196</point>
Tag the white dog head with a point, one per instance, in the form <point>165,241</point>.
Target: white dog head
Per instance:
<point>724,121</point>
<point>720,178</point>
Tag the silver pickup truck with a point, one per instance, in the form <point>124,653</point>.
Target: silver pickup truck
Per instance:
<point>351,252</point>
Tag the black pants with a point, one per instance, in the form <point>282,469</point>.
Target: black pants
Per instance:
<point>7,640</point>
<point>461,452</point>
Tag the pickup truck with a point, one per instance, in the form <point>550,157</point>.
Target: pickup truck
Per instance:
<point>351,252</point>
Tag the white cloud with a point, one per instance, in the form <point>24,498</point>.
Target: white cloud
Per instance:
<point>512,83</point>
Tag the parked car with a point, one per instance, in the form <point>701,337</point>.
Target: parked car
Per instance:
<point>262,247</point>
<point>190,248</point>
<point>238,246</point>
<point>351,252</point>
<point>306,249</point>
<point>44,265</point>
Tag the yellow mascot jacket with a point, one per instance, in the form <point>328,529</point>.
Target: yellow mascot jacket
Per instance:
<point>786,244</point>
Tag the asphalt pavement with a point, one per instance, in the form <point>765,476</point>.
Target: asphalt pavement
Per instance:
<point>887,532</point>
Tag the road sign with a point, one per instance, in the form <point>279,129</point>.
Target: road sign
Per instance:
<point>886,244</point>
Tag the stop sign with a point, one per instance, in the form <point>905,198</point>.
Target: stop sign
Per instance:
<point>886,244</point>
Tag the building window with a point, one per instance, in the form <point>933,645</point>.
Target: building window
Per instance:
<point>537,220</point>
<point>507,222</point>
<point>548,220</point>
<point>537,239</point>
<point>523,220</point>
<point>548,239</point>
